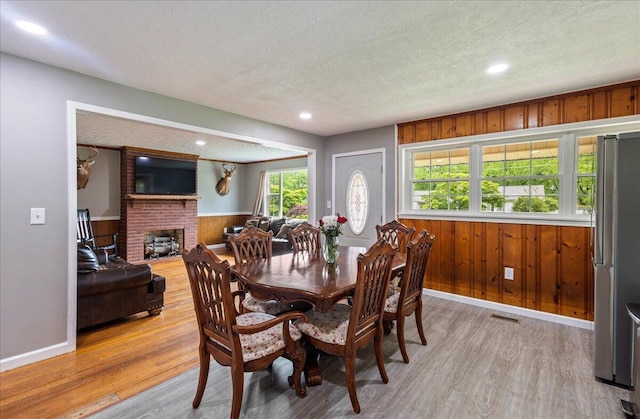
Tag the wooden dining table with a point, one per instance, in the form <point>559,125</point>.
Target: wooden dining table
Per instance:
<point>305,280</point>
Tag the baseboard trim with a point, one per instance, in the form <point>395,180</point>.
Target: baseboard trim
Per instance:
<point>505,308</point>
<point>35,356</point>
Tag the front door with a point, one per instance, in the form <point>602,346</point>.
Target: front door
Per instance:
<point>358,185</point>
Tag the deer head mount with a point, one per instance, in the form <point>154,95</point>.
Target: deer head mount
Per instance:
<point>225,182</point>
<point>84,168</point>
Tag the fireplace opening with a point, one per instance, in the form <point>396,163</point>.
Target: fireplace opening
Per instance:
<point>163,243</point>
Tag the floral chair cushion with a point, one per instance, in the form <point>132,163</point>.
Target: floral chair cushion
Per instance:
<point>259,306</point>
<point>328,327</point>
<point>393,298</point>
<point>259,344</point>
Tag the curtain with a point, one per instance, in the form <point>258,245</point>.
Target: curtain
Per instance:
<point>260,197</point>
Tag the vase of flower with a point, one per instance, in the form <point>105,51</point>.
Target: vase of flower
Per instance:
<point>331,227</point>
<point>330,251</point>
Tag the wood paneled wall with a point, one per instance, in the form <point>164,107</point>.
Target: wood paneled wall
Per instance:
<point>552,271</point>
<point>605,102</point>
<point>104,228</point>
<point>552,264</point>
<point>211,228</point>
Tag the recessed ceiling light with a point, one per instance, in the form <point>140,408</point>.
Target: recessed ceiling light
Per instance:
<point>31,27</point>
<point>497,68</point>
<point>305,115</point>
<point>200,142</point>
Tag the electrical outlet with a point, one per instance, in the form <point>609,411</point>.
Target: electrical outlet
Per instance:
<point>508,273</point>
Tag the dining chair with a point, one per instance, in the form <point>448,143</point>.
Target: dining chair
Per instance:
<point>345,329</point>
<point>245,342</point>
<point>407,299</point>
<point>250,245</point>
<point>305,238</point>
<point>396,233</point>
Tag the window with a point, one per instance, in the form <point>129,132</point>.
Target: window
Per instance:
<point>287,193</point>
<point>537,174</point>
<point>441,180</point>
<point>521,177</point>
<point>586,175</point>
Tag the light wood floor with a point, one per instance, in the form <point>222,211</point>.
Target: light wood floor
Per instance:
<point>474,366</point>
<point>112,362</point>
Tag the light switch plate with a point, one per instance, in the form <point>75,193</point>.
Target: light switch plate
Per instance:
<point>37,215</point>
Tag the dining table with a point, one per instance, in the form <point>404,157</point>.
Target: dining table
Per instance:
<point>306,280</point>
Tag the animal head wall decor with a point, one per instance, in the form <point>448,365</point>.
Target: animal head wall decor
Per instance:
<point>84,168</point>
<point>225,182</point>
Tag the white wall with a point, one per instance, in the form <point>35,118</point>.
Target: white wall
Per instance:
<point>102,193</point>
<point>36,161</point>
<point>210,202</point>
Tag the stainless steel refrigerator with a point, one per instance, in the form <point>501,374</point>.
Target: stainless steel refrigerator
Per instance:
<point>616,253</point>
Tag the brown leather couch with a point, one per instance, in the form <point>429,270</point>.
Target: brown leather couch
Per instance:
<point>109,289</point>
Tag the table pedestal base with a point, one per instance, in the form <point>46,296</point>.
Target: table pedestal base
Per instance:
<point>312,372</point>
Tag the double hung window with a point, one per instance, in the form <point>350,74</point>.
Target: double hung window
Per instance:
<point>287,193</point>
<point>546,175</point>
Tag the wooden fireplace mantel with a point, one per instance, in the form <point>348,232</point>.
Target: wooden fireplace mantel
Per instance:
<point>140,197</point>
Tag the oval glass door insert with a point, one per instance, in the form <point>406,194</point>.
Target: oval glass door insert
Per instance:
<point>357,202</point>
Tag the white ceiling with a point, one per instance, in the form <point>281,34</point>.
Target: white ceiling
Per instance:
<point>353,64</point>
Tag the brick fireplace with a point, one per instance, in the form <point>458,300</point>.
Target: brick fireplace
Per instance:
<point>140,214</point>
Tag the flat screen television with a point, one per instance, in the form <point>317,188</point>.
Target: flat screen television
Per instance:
<point>160,176</point>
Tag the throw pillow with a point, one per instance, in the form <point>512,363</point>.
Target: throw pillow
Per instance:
<point>283,233</point>
<point>276,224</point>
<point>87,260</point>
<point>264,225</point>
<point>252,222</point>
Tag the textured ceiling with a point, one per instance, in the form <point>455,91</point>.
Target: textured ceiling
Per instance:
<point>110,131</point>
<point>353,64</point>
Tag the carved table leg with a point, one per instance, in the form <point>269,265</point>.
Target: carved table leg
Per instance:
<point>312,372</point>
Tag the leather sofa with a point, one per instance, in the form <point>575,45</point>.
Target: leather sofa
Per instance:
<point>112,288</point>
<point>278,226</point>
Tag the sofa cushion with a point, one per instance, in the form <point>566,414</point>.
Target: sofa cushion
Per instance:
<point>283,232</point>
<point>264,225</point>
<point>276,224</point>
<point>114,276</point>
<point>87,260</point>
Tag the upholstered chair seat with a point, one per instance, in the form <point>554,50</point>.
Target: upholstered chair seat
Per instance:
<point>261,344</point>
<point>328,327</point>
<point>391,303</point>
<point>252,304</point>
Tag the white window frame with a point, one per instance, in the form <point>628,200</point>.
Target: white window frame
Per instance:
<point>567,160</point>
<point>267,185</point>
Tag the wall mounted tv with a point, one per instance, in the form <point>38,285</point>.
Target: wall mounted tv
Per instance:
<point>164,176</point>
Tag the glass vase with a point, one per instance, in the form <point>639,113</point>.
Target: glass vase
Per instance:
<point>330,250</point>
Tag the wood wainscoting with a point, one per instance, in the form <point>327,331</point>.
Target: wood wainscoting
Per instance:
<point>552,265</point>
<point>211,227</point>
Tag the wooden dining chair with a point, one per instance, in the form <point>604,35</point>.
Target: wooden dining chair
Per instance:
<point>407,299</point>
<point>396,233</point>
<point>244,342</point>
<point>249,245</point>
<point>345,329</point>
<point>305,238</point>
